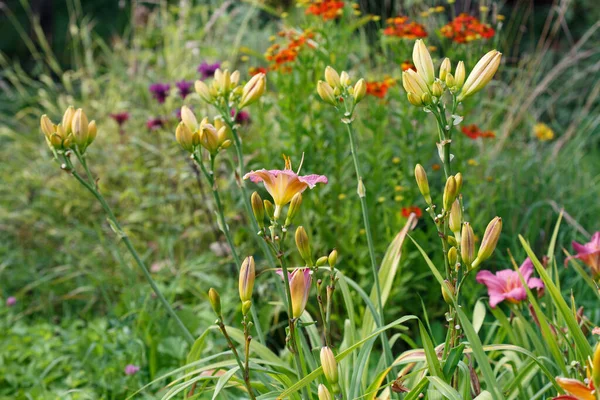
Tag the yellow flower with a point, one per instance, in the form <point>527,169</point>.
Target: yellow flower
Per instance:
<point>473,162</point>
<point>398,198</point>
<point>381,199</point>
<point>341,196</point>
<point>396,160</point>
<point>398,188</point>
<point>543,132</point>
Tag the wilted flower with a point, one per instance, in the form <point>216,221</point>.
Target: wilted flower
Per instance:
<point>160,91</point>
<point>131,369</point>
<point>543,132</point>
<point>466,28</point>
<point>300,281</point>
<point>506,284</point>
<point>120,118</point>
<point>185,88</point>
<point>282,185</point>
<point>208,70</point>
<point>473,132</point>
<point>589,253</point>
<point>11,301</point>
<point>403,28</point>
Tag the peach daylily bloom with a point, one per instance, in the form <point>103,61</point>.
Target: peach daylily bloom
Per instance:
<point>589,253</point>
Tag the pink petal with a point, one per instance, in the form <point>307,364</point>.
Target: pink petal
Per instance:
<point>313,179</point>
<point>494,284</point>
<point>517,294</point>
<point>535,283</point>
<point>526,269</point>
<point>496,299</point>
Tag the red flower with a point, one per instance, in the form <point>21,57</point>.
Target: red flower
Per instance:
<point>326,9</point>
<point>257,70</point>
<point>402,28</point>
<point>379,89</point>
<point>473,132</point>
<point>466,28</point>
<point>406,211</point>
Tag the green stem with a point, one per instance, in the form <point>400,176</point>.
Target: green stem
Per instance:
<point>245,374</point>
<point>210,177</point>
<point>186,333</point>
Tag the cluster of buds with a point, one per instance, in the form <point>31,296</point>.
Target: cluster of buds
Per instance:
<point>338,88</point>
<point>225,89</point>
<point>190,134</point>
<point>74,131</point>
<point>424,88</point>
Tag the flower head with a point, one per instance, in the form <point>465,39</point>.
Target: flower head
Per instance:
<point>184,87</point>
<point>131,369</point>
<point>208,70</point>
<point>155,123</point>
<point>583,390</point>
<point>379,89</point>
<point>589,253</point>
<point>326,9</point>
<point>300,281</point>
<point>406,211</point>
<point>241,117</point>
<point>543,132</point>
<point>473,132</point>
<point>402,27</point>
<point>506,284</point>
<point>120,118</point>
<point>160,91</point>
<point>11,301</point>
<point>466,28</point>
<point>283,184</point>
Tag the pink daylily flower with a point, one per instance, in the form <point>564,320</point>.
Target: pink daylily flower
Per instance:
<point>506,284</point>
<point>589,253</point>
<point>300,281</point>
<point>284,184</point>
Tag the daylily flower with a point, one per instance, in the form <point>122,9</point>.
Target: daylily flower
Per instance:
<point>300,281</point>
<point>589,253</point>
<point>506,284</point>
<point>282,185</point>
<point>578,390</point>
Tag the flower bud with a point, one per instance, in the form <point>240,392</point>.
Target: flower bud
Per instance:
<point>79,127</point>
<point>234,79</point>
<point>258,209</point>
<point>303,245</point>
<point>246,281</point>
<point>332,259</point>
<point>269,209</point>
<point>329,364</point>
<point>596,367</point>
<point>452,241</point>
<point>423,62</point>
<point>426,98</point>
<point>345,79</point>
<point>447,292</point>
<point>326,93</point>
<point>92,131</point>
<point>467,245</point>
<point>445,68</point>
<point>482,74</point>
<point>47,126</point>
<point>459,181</point>
<point>184,137</point>
<point>450,82</point>
<point>293,208</point>
<point>455,220</point>
<point>459,75</point>
<point>360,90</point>
<point>332,77</point>
<point>436,89</point>
<point>204,92</point>
<point>246,305</point>
<point>323,393</point>
<point>452,256</point>
<point>253,90</point>
<point>189,119</point>
<point>422,182</point>
<point>321,261</point>
<point>489,241</point>
<point>414,100</point>
<point>449,193</point>
<point>215,301</point>
<point>414,83</point>
<point>67,119</point>
<point>300,283</point>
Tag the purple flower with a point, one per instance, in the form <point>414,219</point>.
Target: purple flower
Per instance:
<point>131,369</point>
<point>11,301</point>
<point>208,70</point>
<point>155,123</point>
<point>160,91</point>
<point>120,117</point>
<point>242,117</point>
<point>185,88</point>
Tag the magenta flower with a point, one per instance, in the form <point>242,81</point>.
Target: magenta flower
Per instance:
<point>160,91</point>
<point>506,284</point>
<point>11,301</point>
<point>300,281</point>
<point>589,253</point>
<point>242,117</point>
<point>155,123</point>
<point>131,369</point>
<point>208,70</point>
<point>184,87</point>
<point>282,185</point>
<point>120,117</point>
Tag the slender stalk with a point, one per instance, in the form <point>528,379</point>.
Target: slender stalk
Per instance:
<point>90,186</point>
<point>210,177</point>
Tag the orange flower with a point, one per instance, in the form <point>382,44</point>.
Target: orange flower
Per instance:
<point>379,89</point>
<point>473,132</point>
<point>257,70</point>
<point>326,9</point>
<point>296,41</point>
<point>402,28</point>
<point>406,211</point>
<point>466,28</point>
<point>407,64</point>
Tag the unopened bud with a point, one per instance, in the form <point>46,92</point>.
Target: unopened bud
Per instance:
<point>321,261</point>
<point>459,182</point>
<point>482,74</point>
<point>447,292</point>
<point>323,393</point>
<point>246,305</point>
<point>293,208</point>
<point>450,82</point>
<point>329,365</point>
<point>467,245</point>
<point>92,131</point>
<point>360,90</point>
<point>452,256</point>
<point>437,90</point>
<point>445,68</point>
<point>459,75</point>
<point>423,183</point>
<point>246,281</point>
<point>452,241</point>
<point>455,221</point>
<point>258,209</point>
<point>596,367</point>
<point>303,245</point>
<point>414,99</point>
<point>326,93</point>
<point>253,90</point>
<point>449,193</point>
<point>203,91</point>
<point>489,241</point>
<point>215,301</point>
<point>332,259</point>
<point>269,209</point>
<point>345,79</point>
<point>67,119</point>
<point>332,77</point>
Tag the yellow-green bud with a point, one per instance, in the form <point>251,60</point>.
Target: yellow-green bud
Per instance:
<point>329,364</point>
<point>345,79</point>
<point>360,90</point>
<point>332,77</point>
<point>423,183</point>
<point>414,100</point>
<point>452,241</point>
<point>450,82</point>
<point>269,209</point>
<point>185,137</point>
<point>449,193</point>
<point>189,119</point>
<point>258,209</point>
<point>67,119</point>
<point>423,62</point>
<point>447,292</point>
<point>303,245</point>
<point>253,90</point>
<point>323,393</point>
<point>215,301</point>
<point>437,90</point>
<point>445,68</point>
<point>459,75</point>
<point>321,261</point>
<point>455,221</point>
<point>204,92</point>
<point>452,256</point>
<point>426,98</point>
<point>246,281</point>
<point>293,208</point>
<point>92,131</point>
<point>326,93</point>
<point>489,241</point>
<point>332,259</point>
<point>459,182</point>
<point>79,127</point>
<point>467,245</point>
<point>482,74</point>
<point>246,305</point>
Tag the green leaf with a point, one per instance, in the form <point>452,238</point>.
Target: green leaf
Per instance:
<point>433,362</point>
<point>373,388</point>
<point>223,381</point>
<point>453,359</point>
<point>446,390</point>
